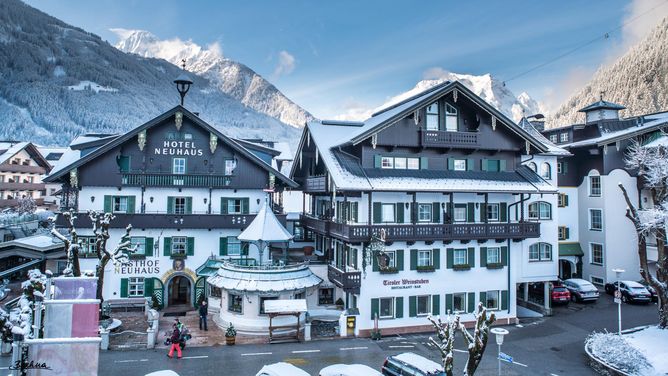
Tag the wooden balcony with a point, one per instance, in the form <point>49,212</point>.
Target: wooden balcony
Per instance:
<point>10,167</point>
<point>348,281</point>
<point>21,186</point>
<point>175,180</point>
<point>316,184</point>
<point>356,233</point>
<point>173,221</point>
<point>431,138</point>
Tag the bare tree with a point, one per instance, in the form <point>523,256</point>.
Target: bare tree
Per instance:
<point>446,336</point>
<point>72,246</point>
<point>650,221</point>
<point>26,205</point>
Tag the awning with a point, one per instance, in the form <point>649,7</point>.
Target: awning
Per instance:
<point>264,279</point>
<point>209,268</point>
<point>570,249</point>
<point>265,228</point>
<point>285,306</point>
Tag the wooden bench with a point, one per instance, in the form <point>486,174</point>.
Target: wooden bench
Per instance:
<point>127,303</point>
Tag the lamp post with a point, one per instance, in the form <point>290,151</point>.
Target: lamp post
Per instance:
<point>499,333</point>
<point>618,300</point>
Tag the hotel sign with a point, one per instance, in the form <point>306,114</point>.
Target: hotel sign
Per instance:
<point>140,267</point>
<point>178,148</point>
<point>396,284</point>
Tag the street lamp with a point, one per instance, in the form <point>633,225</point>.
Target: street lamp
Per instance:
<point>500,333</point>
<point>618,300</point>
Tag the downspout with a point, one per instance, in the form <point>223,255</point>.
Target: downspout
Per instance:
<point>521,201</point>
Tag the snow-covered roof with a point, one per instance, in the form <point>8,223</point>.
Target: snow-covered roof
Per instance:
<point>265,227</point>
<point>9,149</point>
<point>69,157</point>
<point>421,363</point>
<point>601,104</point>
<point>661,141</point>
<point>281,369</point>
<point>650,123</point>
<point>285,305</point>
<point>349,370</point>
<point>264,279</point>
<point>552,148</point>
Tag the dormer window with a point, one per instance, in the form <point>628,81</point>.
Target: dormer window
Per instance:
<point>432,117</point>
<point>450,118</point>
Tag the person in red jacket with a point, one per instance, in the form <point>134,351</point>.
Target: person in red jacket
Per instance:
<point>176,334</point>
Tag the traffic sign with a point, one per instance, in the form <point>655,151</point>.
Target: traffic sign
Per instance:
<point>505,357</point>
<point>618,294</point>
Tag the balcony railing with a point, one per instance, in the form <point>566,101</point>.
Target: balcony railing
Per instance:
<point>449,139</point>
<point>175,180</point>
<point>22,186</point>
<point>432,231</point>
<point>316,184</point>
<point>9,167</point>
<point>178,221</point>
<point>348,281</point>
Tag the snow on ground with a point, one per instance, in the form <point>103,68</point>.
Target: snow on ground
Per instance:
<point>651,342</point>
<point>90,85</point>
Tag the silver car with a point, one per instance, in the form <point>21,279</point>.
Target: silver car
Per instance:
<point>581,290</point>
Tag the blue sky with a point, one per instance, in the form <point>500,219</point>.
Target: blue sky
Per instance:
<point>331,57</point>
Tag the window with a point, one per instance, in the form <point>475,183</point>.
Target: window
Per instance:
<point>179,166</point>
<point>560,167</point>
<point>234,206</point>
<point>459,165</point>
<point>492,212</point>
<point>596,280</point>
<point>553,137</point>
<point>594,186</point>
<point>300,295</point>
<point>423,305</point>
<point>563,232</point>
<point>424,212</point>
<point>139,242</point>
<point>595,219</point>
<point>492,300</point>
<point>387,162</point>
<point>460,257</point>
<point>432,117</point>
<point>400,163</point>
<point>450,118</point>
<point>136,286</point>
<point>179,205</point>
<point>424,258</point>
<point>493,255</point>
<point>264,299</point>
<point>540,252</point>
<point>326,296</point>
<point>540,210</point>
<point>562,200</point>
<point>391,259</point>
<point>459,302</point>
<point>413,163</point>
<point>596,251</point>
<point>235,303</point>
<point>179,244</point>
<point>88,246</point>
<point>492,165</point>
<point>460,213</point>
<point>230,165</point>
<point>386,308</point>
<point>233,246</point>
<point>546,171</point>
<point>120,204</point>
<point>533,166</point>
<point>187,136</point>
<point>388,212</point>
<point>563,137</point>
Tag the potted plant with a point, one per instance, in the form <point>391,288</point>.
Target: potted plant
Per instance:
<point>339,303</point>
<point>230,335</point>
<point>375,334</point>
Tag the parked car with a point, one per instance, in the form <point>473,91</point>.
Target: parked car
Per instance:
<point>632,291</point>
<point>281,369</point>
<point>162,373</point>
<point>560,295</point>
<point>410,364</point>
<point>349,370</point>
<point>581,290</point>
<point>652,292</point>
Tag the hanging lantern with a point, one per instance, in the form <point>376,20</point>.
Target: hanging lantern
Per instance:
<point>178,120</point>
<point>141,140</point>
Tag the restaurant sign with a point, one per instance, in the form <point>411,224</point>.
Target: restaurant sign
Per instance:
<point>405,283</point>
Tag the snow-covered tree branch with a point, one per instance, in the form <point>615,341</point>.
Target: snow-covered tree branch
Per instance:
<point>71,243</point>
<point>21,318</point>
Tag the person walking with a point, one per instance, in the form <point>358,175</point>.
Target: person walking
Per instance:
<point>176,335</point>
<point>203,311</point>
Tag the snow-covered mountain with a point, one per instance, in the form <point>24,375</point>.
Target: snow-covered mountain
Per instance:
<point>637,80</point>
<point>487,87</point>
<point>59,81</point>
<point>231,77</point>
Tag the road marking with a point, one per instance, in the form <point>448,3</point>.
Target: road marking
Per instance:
<point>126,361</point>
<point>304,351</point>
<point>251,354</point>
<point>353,348</point>
<point>195,357</point>
<point>461,351</point>
<point>143,360</point>
<point>402,347</point>
<point>520,364</point>
<point>410,343</point>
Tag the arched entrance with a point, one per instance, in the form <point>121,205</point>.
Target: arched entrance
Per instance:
<point>565,269</point>
<point>179,291</point>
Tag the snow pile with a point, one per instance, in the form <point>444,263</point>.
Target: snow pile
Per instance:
<point>617,352</point>
<point>651,343</point>
<point>423,364</point>
<point>91,86</point>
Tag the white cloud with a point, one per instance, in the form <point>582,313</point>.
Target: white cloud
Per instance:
<point>434,73</point>
<point>286,64</point>
<point>354,111</point>
<point>641,17</point>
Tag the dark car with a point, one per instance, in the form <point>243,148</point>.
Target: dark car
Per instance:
<point>560,295</point>
<point>652,291</point>
<point>632,292</point>
<point>410,364</point>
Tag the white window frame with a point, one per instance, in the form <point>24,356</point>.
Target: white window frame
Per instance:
<point>459,165</point>
<point>135,286</point>
<point>595,191</point>
<point>392,256</point>
<point>553,138</point>
<point>233,246</point>
<point>230,298</point>
<point>496,253</point>
<point>561,233</point>
<point>498,300</point>
<point>232,205</point>
<point>178,166</point>
<point>493,212</point>
<point>561,200</point>
<point>539,207</point>
<point>428,305</point>
<point>119,204</point>
<point>533,167</point>
<point>178,243</point>
<point>432,112</point>
<point>563,137</point>
<point>463,296</point>
<point>385,208</point>
<point>546,170</point>
<point>591,219</point>
<point>387,162</point>
<point>380,308</point>
<point>451,113</point>
<point>458,209</point>
<point>230,165</point>
<point>544,252</point>
<point>591,254</point>
<point>179,205</point>
<point>412,163</point>
<point>399,163</point>
<point>138,241</point>
<point>424,212</point>
<point>457,258</point>
<point>424,255</point>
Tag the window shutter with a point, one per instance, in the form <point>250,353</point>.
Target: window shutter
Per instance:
<point>469,164</point>
<point>565,200</point>
<point>450,256</point>
<point>148,287</point>
<point>564,167</point>
<point>471,302</point>
<point>483,212</point>
<point>223,205</point>
<point>451,212</point>
<point>436,212</point>
<point>124,163</point>
<point>414,259</point>
<point>483,298</point>
<point>400,212</point>
<point>451,164</point>
<point>470,212</point>
<point>170,205</point>
<point>503,212</point>
<point>502,165</point>
<point>189,205</point>
<point>377,212</point>
<point>190,246</point>
<point>148,247</point>
<point>375,307</point>
<point>483,164</point>
<point>483,257</point>
<point>424,163</point>
<point>222,246</point>
<point>244,249</point>
<point>566,233</point>
<point>436,305</point>
<point>412,306</point>
<point>167,247</point>
<point>377,161</point>
<point>354,212</point>
<point>504,299</point>
<point>245,205</point>
<point>399,254</point>
<point>399,307</point>
<point>374,264</point>
<point>471,257</point>
<point>504,256</point>
<point>449,303</point>
<point>131,204</point>
<point>107,204</point>
<point>124,287</point>
<point>436,258</point>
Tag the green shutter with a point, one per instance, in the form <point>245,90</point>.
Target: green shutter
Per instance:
<point>503,212</point>
<point>189,205</point>
<point>148,247</point>
<point>450,257</point>
<point>472,257</point>
<point>375,307</point>
<point>244,249</point>
<point>483,256</point>
<point>483,298</point>
<point>222,246</point>
<point>374,264</point>
<point>451,164</point>
<point>131,204</point>
<point>424,163</point>
<point>400,212</point>
<point>502,165</point>
<point>483,164</point>
<point>436,256</point>
<point>504,256</point>
<point>449,300</point>
<point>565,200</point>
<point>107,204</point>
<point>170,205</point>
<point>566,233</point>
<point>124,163</point>
<point>436,212</point>
<point>412,306</point>
<point>223,205</point>
<point>483,212</point>
<point>504,299</point>
<point>190,250</point>
<point>377,212</point>
<point>399,254</point>
<point>377,161</point>
<point>451,212</point>
<point>148,287</point>
<point>471,302</point>
<point>469,164</point>
<point>124,287</point>
<point>436,305</point>
<point>245,205</point>
<point>470,212</point>
<point>399,307</point>
<point>167,247</point>
<point>414,253</point>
